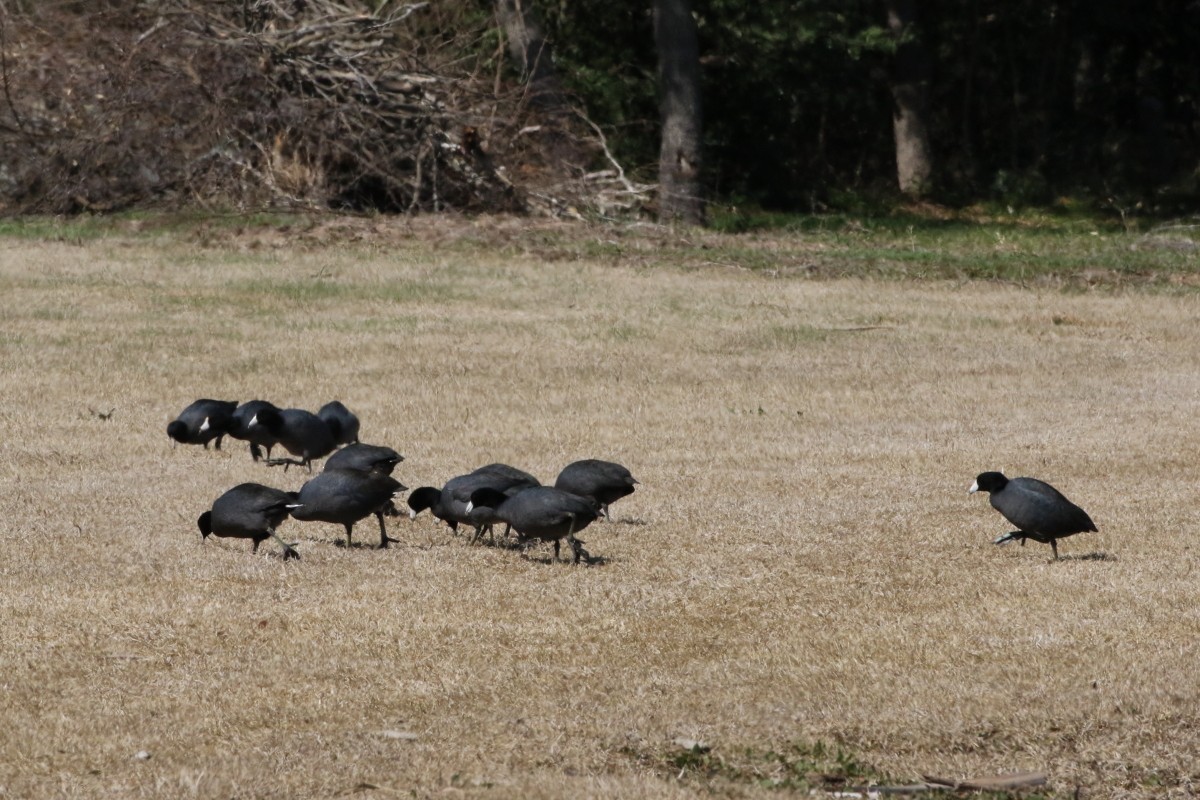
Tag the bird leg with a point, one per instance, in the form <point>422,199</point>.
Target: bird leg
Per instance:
<point>1011,536</point>
<point>287,462</point>
<point>570,540</point>
<point>481,530</point>
<point>1054,547</point>
<point>288,550</point>
<point>577,546</point>
<point>349,528</point>
<point>383,537</point>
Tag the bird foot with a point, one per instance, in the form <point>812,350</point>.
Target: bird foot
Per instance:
<point>385,541</point>
<point>283,462</point>
<point>289,551</point>
<point>1011,536</point>
<point>582,554</point>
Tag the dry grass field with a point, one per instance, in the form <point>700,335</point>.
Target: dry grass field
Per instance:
<point>801,581</point>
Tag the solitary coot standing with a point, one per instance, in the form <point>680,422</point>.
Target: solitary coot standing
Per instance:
<point>203,421</point>
<point>1039,511</point>
<point>249,511</point>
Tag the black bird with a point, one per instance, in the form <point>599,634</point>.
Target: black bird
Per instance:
<point>505,478</point>
<point>203,421</point>
<point>449,503</point>
<point>258,436</point>
<point>344,496</point>
<point>341,421</point>
<point>603,481</point>
<point>366,457</point>
<point>301,433</point>
<point>542,512</point>
<point>1039,511</point>
<point>249,511</point>
<point>518,477</point>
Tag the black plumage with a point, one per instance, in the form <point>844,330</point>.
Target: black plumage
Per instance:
<point>257,436</point>
<point>202,422</point>
<point>603,481</point>
<point>249,511</point>
<point>300,432</point>
<point>516,477</point>
<point>342,422</point>
<point>544,513</point>
<point>366,457</point>
<point>345,496</point>
<point>1039,511</point>
<point>449,503</point>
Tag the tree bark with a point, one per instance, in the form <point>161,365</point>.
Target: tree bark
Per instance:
<point>910,95</point>
<point>679,195</point>
<point>530,51</point>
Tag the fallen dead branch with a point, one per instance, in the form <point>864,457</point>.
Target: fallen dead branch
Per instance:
<point>321,104</point>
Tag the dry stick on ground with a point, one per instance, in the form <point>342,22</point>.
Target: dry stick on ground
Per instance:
<point>1015,780</point>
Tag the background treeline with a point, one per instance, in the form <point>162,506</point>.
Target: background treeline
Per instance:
<point>1027,99</point>
<point>420,106</point>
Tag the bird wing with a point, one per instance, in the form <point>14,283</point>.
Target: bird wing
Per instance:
<point>1037,507</point>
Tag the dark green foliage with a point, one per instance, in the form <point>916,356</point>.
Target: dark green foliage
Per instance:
<point>1030,100</point>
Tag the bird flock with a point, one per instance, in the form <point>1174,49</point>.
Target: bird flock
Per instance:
<point>357,482</point>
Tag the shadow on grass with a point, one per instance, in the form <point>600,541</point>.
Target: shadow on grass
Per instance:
<point>1093,556</point>
<point>355,545</point>
<point>550,561</point>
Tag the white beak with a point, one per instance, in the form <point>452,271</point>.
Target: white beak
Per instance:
<point>204,425</point>
<point>470,505</point>
<point>253,421</point>
<point>974,488</point>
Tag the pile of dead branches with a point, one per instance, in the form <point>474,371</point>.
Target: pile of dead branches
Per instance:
<point>279,103</point>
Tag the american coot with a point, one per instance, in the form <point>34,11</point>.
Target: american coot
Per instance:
<point>367,457</point>
<point>301,433</point>
<point>502,477</point>
<point>341,421</point>
<point>258,436</point>
<point>202,421</point>
<point>517,477</point>
<point>1039,511</point>
<point>249,511</point>
<point>603,481</point>
<point>542,512</point>
<point>449,503</point>
<point>344,496</point>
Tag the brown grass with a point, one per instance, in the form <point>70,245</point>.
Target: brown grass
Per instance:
<point>802,562</point>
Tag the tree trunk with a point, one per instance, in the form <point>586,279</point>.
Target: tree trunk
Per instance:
<point>910,94</point>
<point>529,50</point>
<point>679,193</point>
